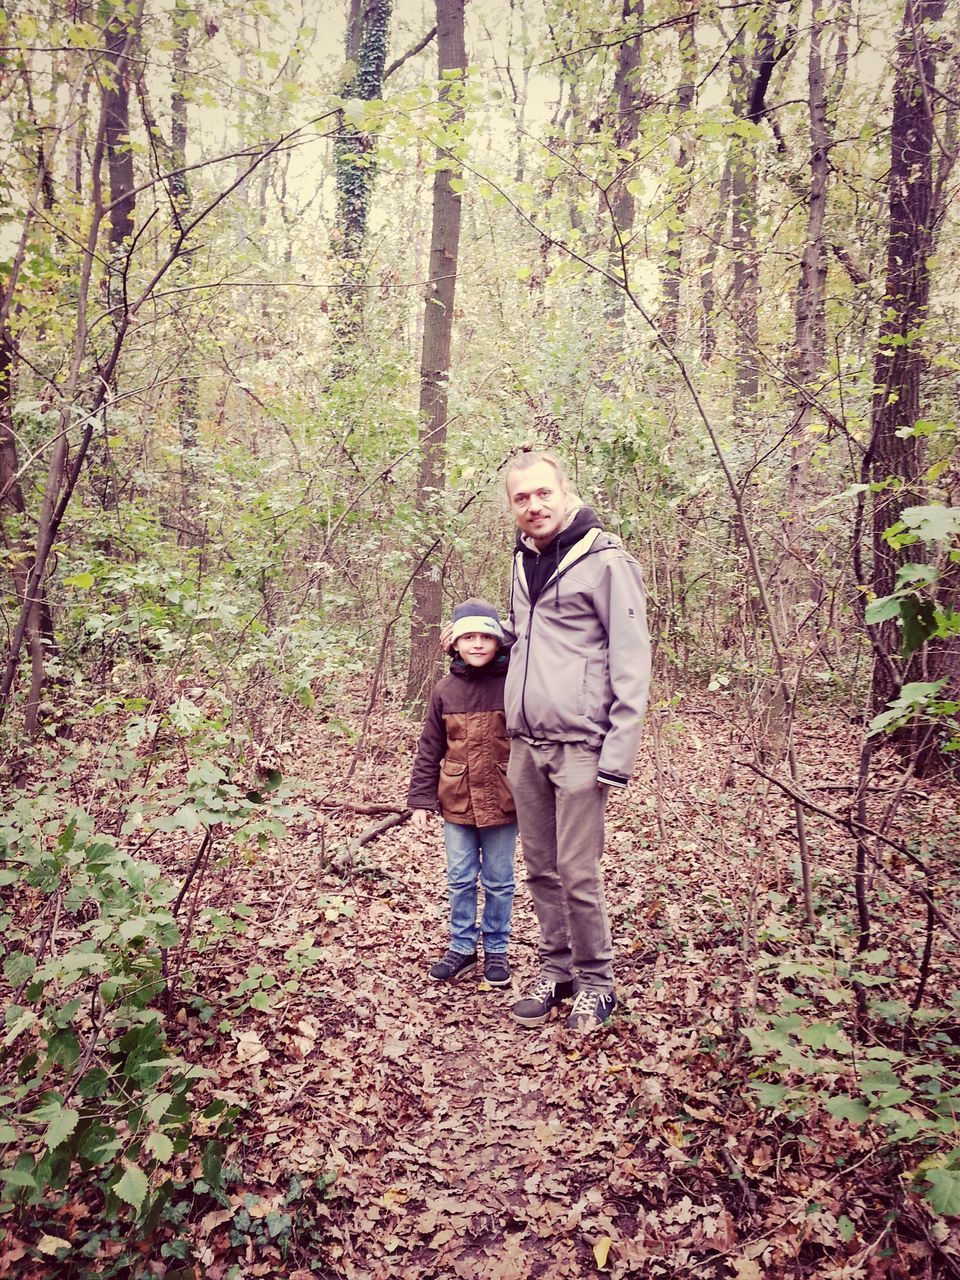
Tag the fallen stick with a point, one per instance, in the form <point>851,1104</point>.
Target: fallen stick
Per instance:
<point>349,861</point>
<point>368,836</point>
<point>355,806</point>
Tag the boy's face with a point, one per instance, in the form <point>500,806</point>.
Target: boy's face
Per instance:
<point>476,649</point>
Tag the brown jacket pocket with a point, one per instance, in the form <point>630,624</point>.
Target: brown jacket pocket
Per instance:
<point>453,792</point>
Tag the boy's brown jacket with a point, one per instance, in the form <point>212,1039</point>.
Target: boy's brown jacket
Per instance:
<point>461,763</point>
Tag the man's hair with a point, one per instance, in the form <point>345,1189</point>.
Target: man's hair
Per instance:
<point>529,457</point>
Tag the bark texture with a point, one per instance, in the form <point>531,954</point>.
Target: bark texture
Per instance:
<point>368,36</point>
<point>895,456</point>
<point>435,360</point>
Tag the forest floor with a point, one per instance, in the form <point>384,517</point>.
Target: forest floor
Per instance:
<point>387,1127</point>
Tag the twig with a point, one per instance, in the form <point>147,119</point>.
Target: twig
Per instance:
<point>855,827</point>
<point>371,833</point>
<point>411,52</point>
<point>184,889</point>
<point>738,1176</point>
<point>348,860</point>
<point>46,939</point>
<point>356,807</point>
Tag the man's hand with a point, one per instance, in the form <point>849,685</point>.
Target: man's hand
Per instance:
<point>419,820</point>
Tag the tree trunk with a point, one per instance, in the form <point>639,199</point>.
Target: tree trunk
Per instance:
<point>752,79</point>
<point>119,38</point>
<point>622,206</point>
<point>895,453</point>
<point>368,35</point>
<point>435,361</point>
<point>186,387</point>
<point>12,521</point>
<point>791,583</point>
<point>810,309</point>
<point>670,314</point>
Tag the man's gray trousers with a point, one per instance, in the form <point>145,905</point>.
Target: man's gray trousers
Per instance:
<point>560,811</point>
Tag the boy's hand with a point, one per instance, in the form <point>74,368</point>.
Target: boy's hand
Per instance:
<point>419,820</point>
<point>446,636</point>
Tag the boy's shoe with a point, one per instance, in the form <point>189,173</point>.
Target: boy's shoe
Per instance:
<point>496,970</point>
<point>453,966</point>
<point>591,1010</point>
<point>535,1009</point>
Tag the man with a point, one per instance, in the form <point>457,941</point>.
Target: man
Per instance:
<point>575,696</point>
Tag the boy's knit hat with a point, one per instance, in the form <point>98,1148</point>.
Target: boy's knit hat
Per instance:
<point>476,615</point>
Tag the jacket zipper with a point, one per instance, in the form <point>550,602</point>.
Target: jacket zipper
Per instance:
<point>526,657</point>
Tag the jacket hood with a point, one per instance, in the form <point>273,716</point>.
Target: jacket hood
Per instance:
<point>541,567</point>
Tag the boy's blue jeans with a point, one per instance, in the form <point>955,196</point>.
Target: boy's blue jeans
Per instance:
<point>487,853</point>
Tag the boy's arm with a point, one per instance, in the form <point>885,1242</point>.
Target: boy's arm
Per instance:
<point>431,749</point>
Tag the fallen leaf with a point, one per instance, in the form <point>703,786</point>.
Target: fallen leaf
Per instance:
<point>50,1244</point>
<point>746,1269</point>
<point>250,1048</point>
<point>601,1250</point>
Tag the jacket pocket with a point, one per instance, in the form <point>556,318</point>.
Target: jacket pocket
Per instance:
<point>453,792</point>
<point>590,688</point>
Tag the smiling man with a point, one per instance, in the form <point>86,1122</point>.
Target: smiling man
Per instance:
<point>575,696</point>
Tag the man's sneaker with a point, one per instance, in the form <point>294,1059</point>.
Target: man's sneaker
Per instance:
<point>591,1010</point>
<point>496,970</point>
<point>535,1009</point>
<point>453,966</point>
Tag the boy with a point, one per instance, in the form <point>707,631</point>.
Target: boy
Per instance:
<point>461,769</point>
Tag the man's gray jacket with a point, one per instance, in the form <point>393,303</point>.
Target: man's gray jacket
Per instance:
<point>580,667</point>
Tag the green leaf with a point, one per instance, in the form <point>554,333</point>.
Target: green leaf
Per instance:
<point>770,1095</point>
<point>846,1228</point>
<point>18,967</point>
<point>935,523</point>
<point>133,1186</point>
<point>944,1193</point>
<point>825,1035</point>
<point>25,1020</point>
<point>919,618</point>
<point>60,1127</point>
<point>160,1146</point>
<point>84,581</point>
<point>186,817</point>
<point>882,610</point>
<point>909,575</point>
<point>19,1178</point>
<point>158,1107</point>
<point>77,959</point>
<point>843,1107</point>
<point>919,691</point>
<point>99,1144</point>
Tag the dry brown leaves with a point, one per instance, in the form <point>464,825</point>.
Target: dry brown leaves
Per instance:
<point>464,1146</point>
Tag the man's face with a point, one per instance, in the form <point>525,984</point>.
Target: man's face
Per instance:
<point>476,648</point>
<point>538,502</point>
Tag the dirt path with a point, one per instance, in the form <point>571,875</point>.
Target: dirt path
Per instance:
<point>456,1144</point>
